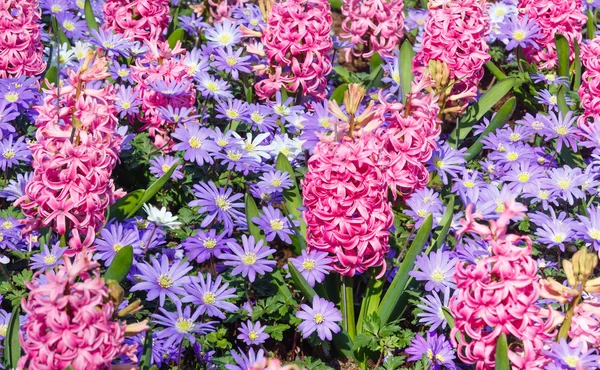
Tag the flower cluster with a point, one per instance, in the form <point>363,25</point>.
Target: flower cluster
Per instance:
<point>139,20</point>
<point>498,295</point>
<point>297,44</point>
<point>22,49</point>
<point>70,320</point>
<point>553,17</point>
<point>455,37</point>
<point>77,148</point>
<point>590,83</point>
<point>373,26</point>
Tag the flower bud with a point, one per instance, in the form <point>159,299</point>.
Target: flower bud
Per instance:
<point>115,292</point>
<point>131,309</point>
<point>353,97</point>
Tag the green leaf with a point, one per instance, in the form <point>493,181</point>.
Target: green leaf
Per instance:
<point>126,206</point>
<point>251,212</point>
<point>177,35</point>
<point>343,72</point>
<point>70,367</point>
<point>563,50</point>
<point>577,65</point>
<point>562,101</point>
<point>59,32</point>
<point>336,4</point>
<point>156,186</point>
<point>375,77</point>
<point>307,291</point>
<point>120,265</point>
<point>406,56</point>
<point>446,221</point>
<point>90,18</point>
<point>371,300</point>
<point>476,111</point>
<point>364,341</point>
<point>396,289</point>
<point>12,345</point>
<point>338,93</point>
<point>375,61</point>
<point>146,360</point>
<point>501,117</point>
<point>448,317</point>
<point>52,77</point>
<point>495,70</point>
<point>502,362</point>
<point>292,197</point>
<point>276,331</point>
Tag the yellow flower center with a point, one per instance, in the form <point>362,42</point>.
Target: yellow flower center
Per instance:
<point>223,203</point>
<point>11,97</point>
<point>108,45</point>
<point>249,147</point>
<point>280,110</point>
<point>559,238</point>
<point>500,206</point>
<point>126,105</point>
<point>430,354</point>
<point>3,329</point>
<point>56,8</point>
<point>209,298</point>
<point>231,61</point>
<point>209,243</point>
<point>514,137</point>
<point>571,360</point>
<point>234,155</point>
<point>396,77</point>
<point>469,184</point>
<point>537,125</point>
<point>422,213</point>
<point>254,21</point>
<point>519,35</point>
<point>277,224</point>
<point>562,130</point>
<point>308,264</point>
<point>165,168</point>
<point>123,72</point>
<point>7,225</point>
<point>439,357</point>
<point>512,156</point>
<point>564,183</point>
<point>553,99</point>
<point>222,142</point>
<point>117,247</point>
<point>276,182</point>
<point>319,318</point>
<point>438,275</point>
<point>439,163</point>
<point>184,326</point>
<point>232,113</point>
<point>68,25</point>
<point>551,77</point>
<point>594,234</point>
<point>253,335</point>
<point>165,281</point>
<point>49,259</point>
<point>249,258</point>
<point>324,122</point>
<point>543,194</point>
<point>257,117</point>
<point>225,38</point>
<point>523,177</point>
<point>9,154</point>
<point>195,143</point>
<point>211,86</point>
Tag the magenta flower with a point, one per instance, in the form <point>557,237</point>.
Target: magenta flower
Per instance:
<point>322,317</point>
<point>250,259</point>
<point>139,20</point>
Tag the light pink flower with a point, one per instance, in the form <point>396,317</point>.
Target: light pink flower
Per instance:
<point>272,364</point>
<point>455,33</point>
<point>296,39</point>
<point>373,26</point>
<point>21,51</point>
<point>70,320</point>
<point>552,17</point>
<point>139,20</point>
<point>585,325</point>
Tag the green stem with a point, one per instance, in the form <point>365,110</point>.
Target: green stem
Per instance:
<point>591,24</point>
<point>348,306</point>
<point>495,70</point>
<point>371,300</point>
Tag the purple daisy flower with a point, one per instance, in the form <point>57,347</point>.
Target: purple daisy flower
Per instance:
<point>566,181</point>
<point>16,187</point>
<point>12,152</point>
<point>232,110</point>
<point>313,266</point>
<point>210,296</point>
<point>422,203</point>
<point>519,32</point>
<point>114,43</point>
<point>231,61</point>
<point>589,227</point>
<point>237,159</point>
<point>120,72</point>
<point>8,112</point>
<point>563,129</point>
<point>159,165</point>
<point>512,153</point>
<point>468,186</point>
<point>322,317</point>
<point>250,259</point>
<point>541,195</point>
<point>180,115</point>
<point>212,87</point>
<point>181,325</point>
<point>127,101</point>
<point>552,230</point>
<point>536,123</point>
<point>219,203</point>
<point>262,118</point>
<point>550,79</point>
<point>432,314</point>
<point>437,269</point>
<point>573,357</point>
<point>195,143</point>
<point>273,223</point>
<point>162,279</point>
<point>47,259</point>
<point>285,108</point>
<point>205,245</point>
<point>244,362</point>
<point>589,132</point>
<point>275,181</point>
<point>436,348</point>
<point>112,239</point>
<point>173,89</point>
<point>523,177</point>
<point>252,334</point>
